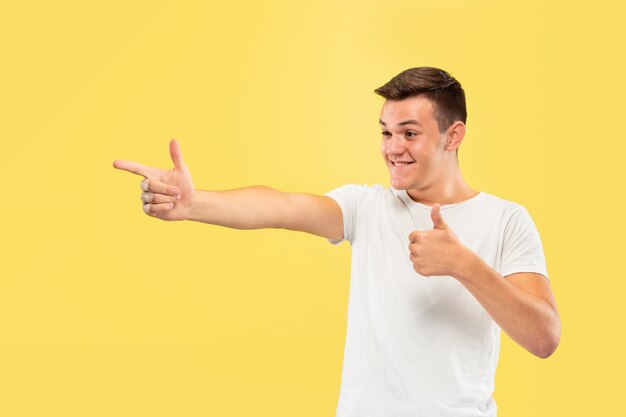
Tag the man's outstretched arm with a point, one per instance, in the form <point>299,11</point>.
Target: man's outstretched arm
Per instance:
<point>171,195</point>
<point>259,207</point>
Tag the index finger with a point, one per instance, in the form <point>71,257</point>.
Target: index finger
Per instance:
<point>136,168</point>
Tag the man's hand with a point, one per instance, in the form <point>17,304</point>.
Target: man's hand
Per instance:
<point>438,251</point>
<point>167,195</point>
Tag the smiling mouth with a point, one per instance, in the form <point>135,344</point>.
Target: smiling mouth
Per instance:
<point>401,164</point>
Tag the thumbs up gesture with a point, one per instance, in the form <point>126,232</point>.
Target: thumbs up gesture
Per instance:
<point>167,195</point>
<point>437,251</point>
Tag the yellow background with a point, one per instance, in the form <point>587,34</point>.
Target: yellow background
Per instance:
<point>105,311</point>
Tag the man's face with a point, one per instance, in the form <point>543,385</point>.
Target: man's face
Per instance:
<point>412,147</point>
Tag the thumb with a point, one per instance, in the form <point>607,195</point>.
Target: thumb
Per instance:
<point>177,156</point>
<point>435,215</point>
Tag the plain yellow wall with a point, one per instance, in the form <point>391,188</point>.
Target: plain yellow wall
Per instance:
<point>105,311</point>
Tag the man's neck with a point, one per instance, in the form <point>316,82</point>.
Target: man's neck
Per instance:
<point>450,191</point>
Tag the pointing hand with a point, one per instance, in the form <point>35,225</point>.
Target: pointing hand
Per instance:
<point>167,195</point>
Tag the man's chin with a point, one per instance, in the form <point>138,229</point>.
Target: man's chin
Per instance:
<point>398,187</point>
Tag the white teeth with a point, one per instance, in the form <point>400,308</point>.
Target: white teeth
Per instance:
<point>400,163</point>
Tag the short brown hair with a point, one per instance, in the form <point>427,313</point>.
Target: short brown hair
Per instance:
<point>435,84</point>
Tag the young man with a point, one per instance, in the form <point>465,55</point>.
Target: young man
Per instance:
<point>437,267</point>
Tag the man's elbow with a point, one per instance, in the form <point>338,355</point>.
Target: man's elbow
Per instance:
<point>547,351</point>
<point>549,345</point>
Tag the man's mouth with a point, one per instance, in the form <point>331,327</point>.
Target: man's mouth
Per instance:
<point>401,164</point>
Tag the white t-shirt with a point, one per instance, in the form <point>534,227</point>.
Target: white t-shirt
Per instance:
<point>423,346</point>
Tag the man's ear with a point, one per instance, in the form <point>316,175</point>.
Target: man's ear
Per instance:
<point>454,135</point>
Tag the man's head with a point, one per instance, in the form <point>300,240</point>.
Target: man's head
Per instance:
<point>434,84</point>
<point>423,125</point>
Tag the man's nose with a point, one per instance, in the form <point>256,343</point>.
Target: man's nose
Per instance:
<point>395,145</point>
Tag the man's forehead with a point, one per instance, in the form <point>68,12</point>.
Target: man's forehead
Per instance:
<point>413,110</point>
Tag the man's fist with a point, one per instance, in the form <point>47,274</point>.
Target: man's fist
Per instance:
<point>437,251</point>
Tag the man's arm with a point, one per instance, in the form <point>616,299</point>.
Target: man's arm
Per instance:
<point>522,304</point>
<point>259,207</point>
<point>171,195</point>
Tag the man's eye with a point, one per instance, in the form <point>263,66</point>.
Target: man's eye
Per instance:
<point>385,133</point>
<point>411,134</point>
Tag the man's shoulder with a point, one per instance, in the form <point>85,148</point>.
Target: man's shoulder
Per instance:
<point>362,189</point>
<point>363,195</point>
<point>493,202</point>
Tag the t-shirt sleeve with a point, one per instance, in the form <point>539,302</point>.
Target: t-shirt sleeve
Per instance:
<point>349,198</point>
<point>522,250</point>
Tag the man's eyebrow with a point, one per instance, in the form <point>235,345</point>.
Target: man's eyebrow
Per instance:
<point>406,122</point>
